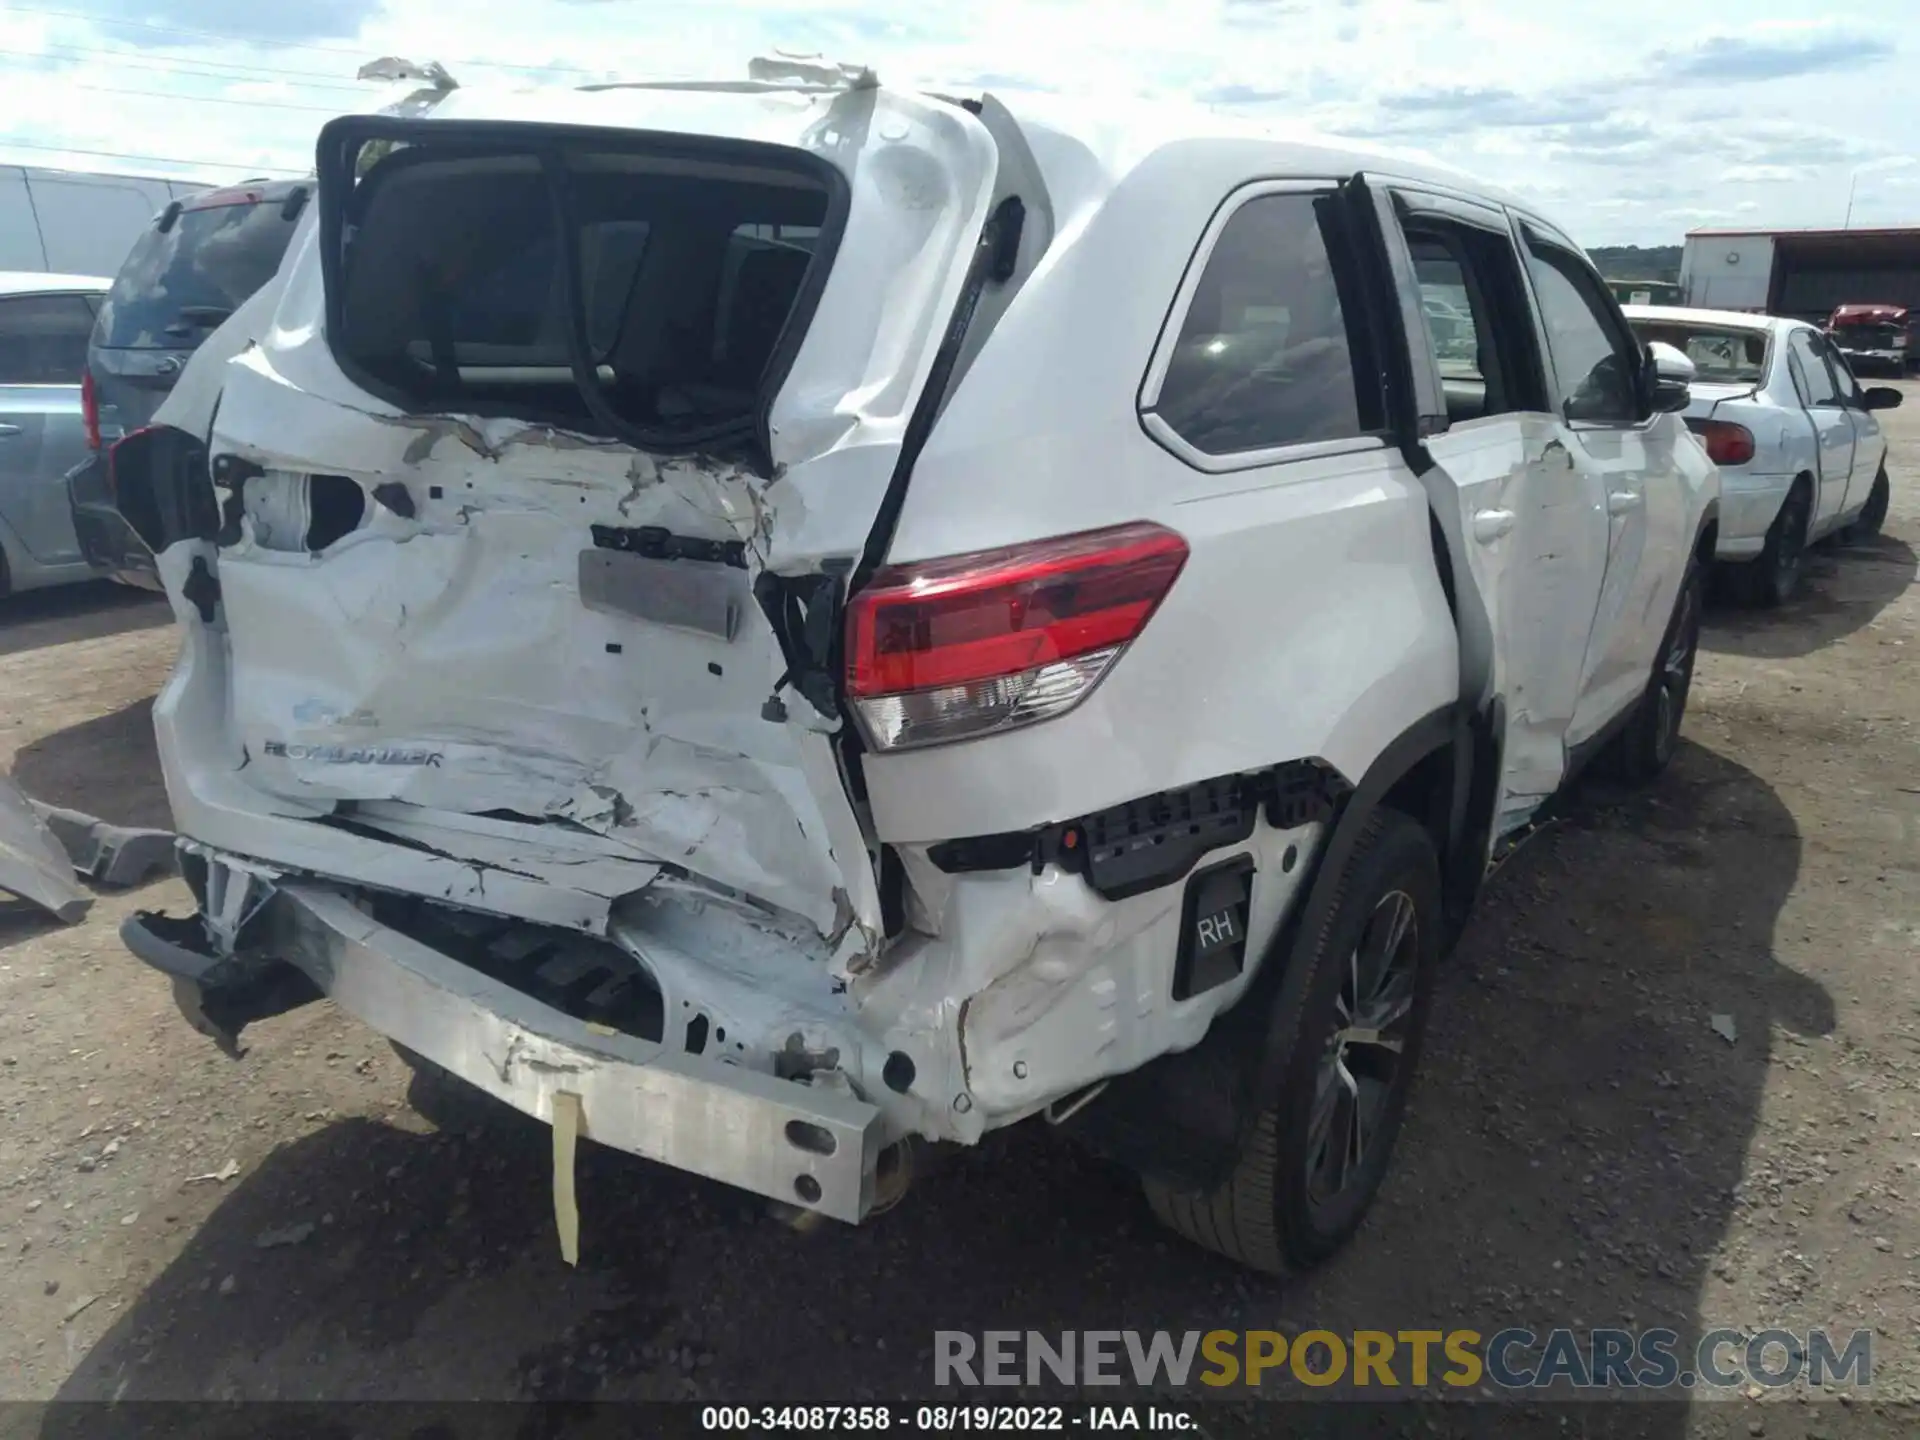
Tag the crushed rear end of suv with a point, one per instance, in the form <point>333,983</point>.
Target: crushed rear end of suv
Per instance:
<point>740,623</point>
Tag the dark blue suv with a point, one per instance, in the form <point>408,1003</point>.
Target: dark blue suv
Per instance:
<point>187,273</point>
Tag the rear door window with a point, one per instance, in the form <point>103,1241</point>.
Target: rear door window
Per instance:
<point>1478,328</point>
<point>1264,356</point>
<point>43,339</point>
<point>1845,387</point>
<point>180,283</point>
<point>1810,374</point>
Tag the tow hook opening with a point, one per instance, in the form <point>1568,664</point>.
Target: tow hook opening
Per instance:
<point>814,1139</point>
<point>895,1170</point>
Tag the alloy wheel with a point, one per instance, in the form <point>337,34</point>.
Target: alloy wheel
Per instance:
<point>1361,1068</point>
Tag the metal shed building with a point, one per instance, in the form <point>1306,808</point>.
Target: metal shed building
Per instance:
<point>1801,273</point>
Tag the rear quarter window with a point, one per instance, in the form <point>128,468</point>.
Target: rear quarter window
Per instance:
<point>1264,356</point>
<point>179,283</point>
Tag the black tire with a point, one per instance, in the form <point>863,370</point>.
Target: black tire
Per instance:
<point>1273,1213</point>
<point>1873,515</point>
<point>1774,577</point>
<point>1645,748</point>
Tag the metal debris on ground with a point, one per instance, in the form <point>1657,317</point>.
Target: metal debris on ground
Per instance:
<point>32,864</point>
<point>116,855</point>
<point>1724,1028</point>
<point>224,1173</point>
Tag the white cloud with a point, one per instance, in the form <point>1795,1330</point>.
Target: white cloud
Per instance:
<point>1629,119</point>
<point>1764,174</point>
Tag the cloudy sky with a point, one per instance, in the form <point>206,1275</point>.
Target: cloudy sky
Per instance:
<point>1630,120</point>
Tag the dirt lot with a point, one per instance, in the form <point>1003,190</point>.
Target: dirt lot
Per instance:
<point>1584,1148</point>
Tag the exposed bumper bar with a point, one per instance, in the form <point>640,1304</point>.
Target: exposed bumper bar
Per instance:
<point>814,1148</point>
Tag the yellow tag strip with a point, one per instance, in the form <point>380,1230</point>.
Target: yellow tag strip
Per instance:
<point>567,1127</point>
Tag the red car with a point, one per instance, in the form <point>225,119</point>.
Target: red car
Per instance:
<point>1872,337</point>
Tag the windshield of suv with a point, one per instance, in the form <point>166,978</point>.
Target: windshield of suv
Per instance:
<point>452,295</point>
<point>179,283</point>
<point>1721,356</point>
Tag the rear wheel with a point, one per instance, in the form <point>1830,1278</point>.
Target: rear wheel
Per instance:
<point>1316,1157</point>
<point>1774,577</point>
<point>1646,746</point>
<point>1867,524</point>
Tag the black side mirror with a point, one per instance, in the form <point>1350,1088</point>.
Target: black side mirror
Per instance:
<point>1880,397</point>
<point>1666,374</point>
<point>1671,396</point>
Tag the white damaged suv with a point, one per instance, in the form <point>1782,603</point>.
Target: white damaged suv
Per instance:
<point>791,623</point>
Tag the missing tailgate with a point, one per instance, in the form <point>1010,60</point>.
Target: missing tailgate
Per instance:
<point>648,289</point>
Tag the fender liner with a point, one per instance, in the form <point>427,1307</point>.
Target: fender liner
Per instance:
<point>1184,1117</point>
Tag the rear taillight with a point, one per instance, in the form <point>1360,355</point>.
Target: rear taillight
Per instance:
<point>1726,442</point>
<point>89,410</point>
<point>955,648</point>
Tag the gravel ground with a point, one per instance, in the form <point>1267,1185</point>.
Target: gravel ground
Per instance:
<point>1583,1148</point>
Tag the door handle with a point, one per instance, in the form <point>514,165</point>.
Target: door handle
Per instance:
<point>1490,525</point>
<point>1619,502</point>
<point>6,430</point>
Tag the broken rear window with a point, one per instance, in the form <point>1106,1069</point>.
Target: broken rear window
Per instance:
<point>1718,354</point>
<point>449,291</point>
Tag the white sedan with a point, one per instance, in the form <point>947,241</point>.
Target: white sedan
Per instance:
<point>1801,455</point>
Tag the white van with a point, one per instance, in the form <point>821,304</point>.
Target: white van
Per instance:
<point>76,223</point>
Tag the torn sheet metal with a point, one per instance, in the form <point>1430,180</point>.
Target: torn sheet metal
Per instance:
<point>32,864</point>
<point>392,67</point>
<point>116,855</point>
<point>782,68</point>
<point>457,638</point>
<point>1033,987</point>
<point>435,83</point>
<point>696,1113</point>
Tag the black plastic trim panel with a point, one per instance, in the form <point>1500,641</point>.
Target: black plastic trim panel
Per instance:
<point>1144,844</point>
<point>1184,1116</point>
<point>656,542</point>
